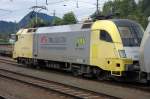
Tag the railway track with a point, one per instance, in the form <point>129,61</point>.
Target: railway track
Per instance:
<point>97,95</point>
<point>53,86</point>
<point>129,85</point>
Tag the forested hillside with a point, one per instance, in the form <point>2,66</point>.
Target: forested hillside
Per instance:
<point>129,9</point>
<point>7,28</point>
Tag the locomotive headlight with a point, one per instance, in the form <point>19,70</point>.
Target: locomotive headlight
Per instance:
<point>122,53</point>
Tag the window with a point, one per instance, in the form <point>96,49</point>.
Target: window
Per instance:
<point>105,36</point>
<point>31,30</point>
<point>131,33</point>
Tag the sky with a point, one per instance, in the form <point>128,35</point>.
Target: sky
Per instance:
<point>15,10</point>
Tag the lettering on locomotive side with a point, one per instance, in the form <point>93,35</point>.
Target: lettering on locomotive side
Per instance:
<point>57,40</point>
<point>80,43</point>
<point>43,40</point>
<point>53,42</point>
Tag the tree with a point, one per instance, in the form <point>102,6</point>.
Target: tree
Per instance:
<point>129,9</point>
<point>145,7</point>
<point>57,21</point>
<point>69,18</point>
<point>107,8</point>
<point>37,23</point>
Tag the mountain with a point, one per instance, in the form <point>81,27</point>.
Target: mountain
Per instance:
<point>11,27</point>
<point>7,27</point>
<point>25,20</point>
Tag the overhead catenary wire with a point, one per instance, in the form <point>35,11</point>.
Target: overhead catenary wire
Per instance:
<point>5,10</point>
<point>78,5</point>
<point>53,3</point>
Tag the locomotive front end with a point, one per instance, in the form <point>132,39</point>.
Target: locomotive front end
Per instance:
<point>115,47</point>
<point>131,34</point>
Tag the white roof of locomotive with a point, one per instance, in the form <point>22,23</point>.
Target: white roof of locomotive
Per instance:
<point>61,29</point>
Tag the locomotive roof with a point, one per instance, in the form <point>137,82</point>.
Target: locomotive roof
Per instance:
<point>74,27</point>
<point>124,22</point>
<point>62,28</point>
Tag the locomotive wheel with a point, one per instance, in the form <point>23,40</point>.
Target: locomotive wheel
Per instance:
<point>102,75</point>
<point>75,72</point>
<point>18,61</point>
<point>99,74</point>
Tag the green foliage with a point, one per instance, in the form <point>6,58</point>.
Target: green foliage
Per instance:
<point>145,6</point>
<point>107,8</point>
<point>145,10</point>
<point>57,21</point>
<point>69,18</point>
<point>124,7</point>
<point>36,23</point>
<point>128,9</point>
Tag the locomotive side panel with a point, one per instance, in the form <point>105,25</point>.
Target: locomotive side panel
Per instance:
<point>72,47</point>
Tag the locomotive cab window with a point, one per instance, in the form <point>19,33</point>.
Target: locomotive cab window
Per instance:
<point>131,33</point>
<point>104,35</point>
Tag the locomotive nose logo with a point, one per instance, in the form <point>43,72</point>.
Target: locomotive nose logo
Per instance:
<point>44,39</point>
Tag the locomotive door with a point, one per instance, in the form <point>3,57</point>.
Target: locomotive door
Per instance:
<point>35,45</point>
<point>107,49</point>
<point>103,49</point>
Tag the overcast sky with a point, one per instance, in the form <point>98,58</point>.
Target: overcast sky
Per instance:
<point>19,8</point>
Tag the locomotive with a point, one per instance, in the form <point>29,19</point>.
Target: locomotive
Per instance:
<point>105,48</point>
<point>145,54</point>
